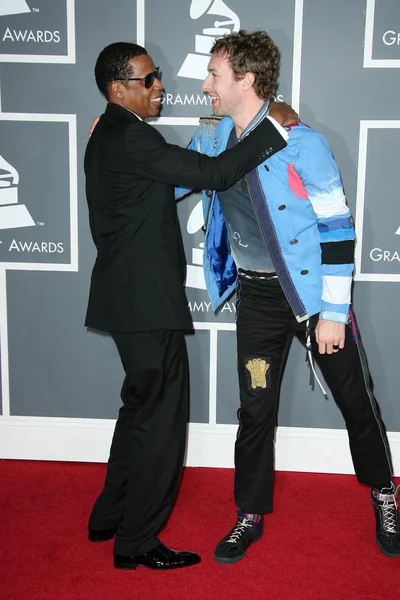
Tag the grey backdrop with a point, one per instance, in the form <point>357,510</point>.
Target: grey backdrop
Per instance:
<point>59,369</point>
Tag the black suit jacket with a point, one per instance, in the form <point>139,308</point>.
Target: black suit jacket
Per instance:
<point>138,278</point>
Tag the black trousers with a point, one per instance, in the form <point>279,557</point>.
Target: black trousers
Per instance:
<point>148,446</point>
<point>265,329</point>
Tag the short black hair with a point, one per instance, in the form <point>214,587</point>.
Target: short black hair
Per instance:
<point>113,63</point>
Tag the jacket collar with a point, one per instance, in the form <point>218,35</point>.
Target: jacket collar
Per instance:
<point>226,124</point>
<point>257,119</point>
<point>116,111</point>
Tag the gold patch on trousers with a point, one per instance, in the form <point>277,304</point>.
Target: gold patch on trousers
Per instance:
<point>258,369</point>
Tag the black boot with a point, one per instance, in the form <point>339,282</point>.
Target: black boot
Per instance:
<point>233,547</point>
<point>384,502</point>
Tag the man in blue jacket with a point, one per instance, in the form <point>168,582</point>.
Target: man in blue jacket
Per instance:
<point>284,237</point>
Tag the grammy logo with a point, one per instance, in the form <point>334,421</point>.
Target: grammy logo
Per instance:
<point>195,65</point>
<point>258,368</point>
<point>12,214</point>
<point>194,271</point>
<point>13,7</point>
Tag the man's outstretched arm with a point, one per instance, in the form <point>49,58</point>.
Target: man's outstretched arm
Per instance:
<point>280,114</point>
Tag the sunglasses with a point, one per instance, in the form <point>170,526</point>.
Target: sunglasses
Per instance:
<point>148,80</point>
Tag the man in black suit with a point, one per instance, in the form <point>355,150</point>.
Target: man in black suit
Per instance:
<point>137,294</point>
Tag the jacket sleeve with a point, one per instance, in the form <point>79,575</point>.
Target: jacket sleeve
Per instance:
<point>152,158</point>
<point>321,178</point>
<point>181,192</point>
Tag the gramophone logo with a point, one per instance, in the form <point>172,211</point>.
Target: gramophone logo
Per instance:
<point>13,7</point>
<point>12,214</point>
<point>195,64</point>
<point>194,272</point>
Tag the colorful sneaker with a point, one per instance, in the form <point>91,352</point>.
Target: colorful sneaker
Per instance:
<point>232,548</point>
<point>384,502</point>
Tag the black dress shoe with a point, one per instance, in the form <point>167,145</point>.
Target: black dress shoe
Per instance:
<point>100,535</point>
<point>159,558</point>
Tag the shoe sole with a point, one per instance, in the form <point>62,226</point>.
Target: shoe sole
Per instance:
<point>228,561</point>
<point>126,567</point>
<point>133,567</point>
<point>385,552</point>
<point>231,561</point>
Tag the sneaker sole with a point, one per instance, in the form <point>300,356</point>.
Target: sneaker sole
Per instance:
<point>231,561</point>
<point>385,552</point>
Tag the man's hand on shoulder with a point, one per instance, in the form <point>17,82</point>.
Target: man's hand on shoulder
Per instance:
<point>93,125</point>
<point>330,336</point>
<point>283,113</point>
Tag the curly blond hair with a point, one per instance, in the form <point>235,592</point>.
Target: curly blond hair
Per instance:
<point>252,52</point>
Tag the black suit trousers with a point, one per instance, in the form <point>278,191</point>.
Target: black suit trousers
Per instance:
<point>148,446</point>
<point>265,329</point>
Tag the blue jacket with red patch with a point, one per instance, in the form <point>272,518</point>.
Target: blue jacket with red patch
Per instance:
<point>298,199</point>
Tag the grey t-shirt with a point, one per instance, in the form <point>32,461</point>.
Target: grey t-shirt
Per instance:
<point>248,248</point>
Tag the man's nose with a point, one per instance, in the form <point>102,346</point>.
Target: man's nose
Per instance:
<point>206,84</point>
<point>158,83</point>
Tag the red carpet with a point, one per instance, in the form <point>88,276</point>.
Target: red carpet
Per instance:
<point>318,545</point>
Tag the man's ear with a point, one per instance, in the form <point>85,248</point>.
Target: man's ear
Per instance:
<point>116,89</point>
<point>248,81</point>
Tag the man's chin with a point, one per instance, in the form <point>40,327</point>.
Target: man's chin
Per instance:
<point>158,110</point>
<point>217,111</point>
